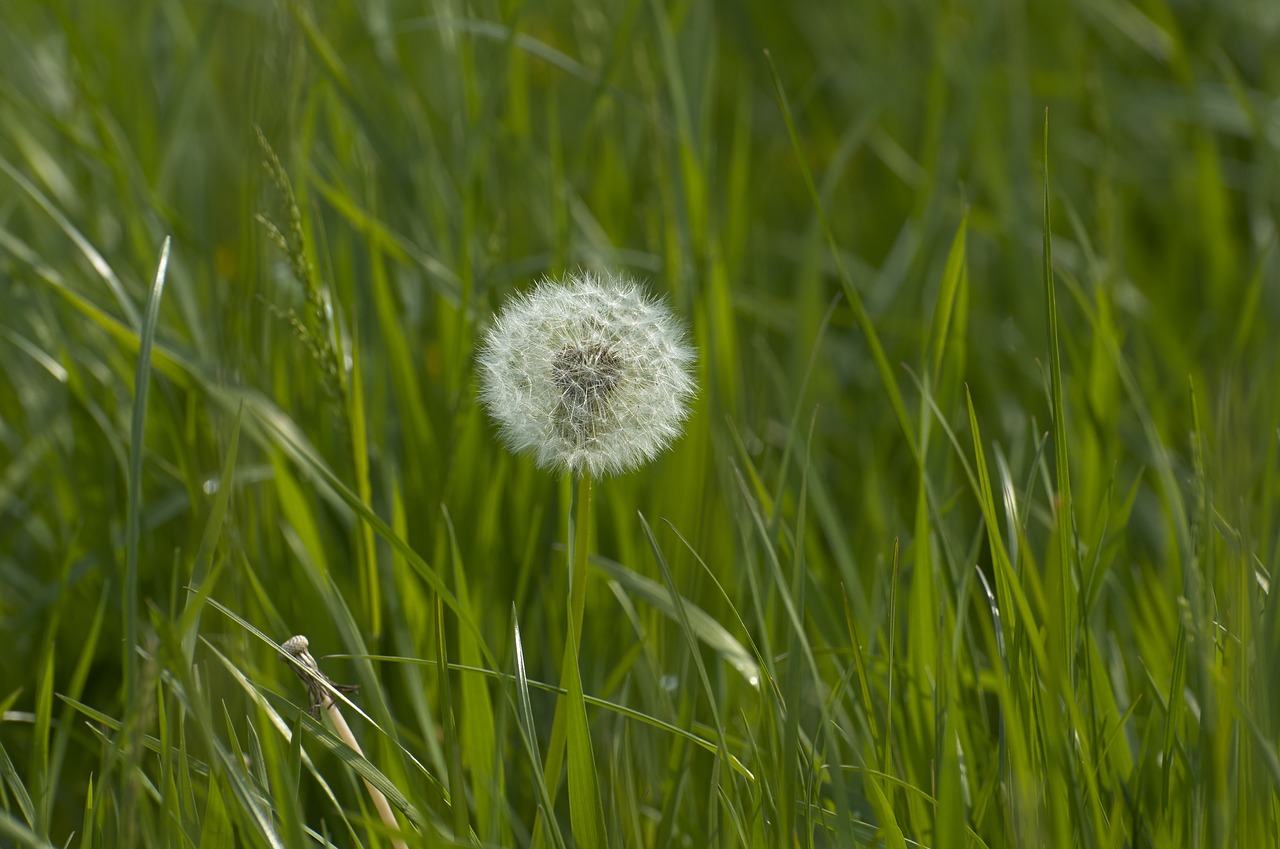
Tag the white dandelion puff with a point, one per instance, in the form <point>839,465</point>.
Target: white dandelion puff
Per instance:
<point>588,374</point>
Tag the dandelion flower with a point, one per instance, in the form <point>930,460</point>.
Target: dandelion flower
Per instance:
<point>588,374</point>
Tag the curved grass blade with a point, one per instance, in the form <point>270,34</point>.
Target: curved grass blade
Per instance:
<point>478,736</point>
<point>9,776</point>
<point>529,735</point>
<point>330,741</point>
<point>701,624</point>
<point>82,244</point>
<point>449,724</point>
<point>141,383</point>
<point>198,593</point>
<point>885,371</point>
<point>955,277</point>
<point>1062,500</point>
<point>20,834</point>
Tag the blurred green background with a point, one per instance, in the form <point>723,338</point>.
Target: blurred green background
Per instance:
<point>352,188</point>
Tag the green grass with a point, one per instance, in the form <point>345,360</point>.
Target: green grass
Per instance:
<point>968,543</point>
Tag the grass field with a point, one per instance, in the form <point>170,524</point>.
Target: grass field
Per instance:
<point>969,538</point>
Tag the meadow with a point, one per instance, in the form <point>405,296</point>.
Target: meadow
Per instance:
<point>969,535</point>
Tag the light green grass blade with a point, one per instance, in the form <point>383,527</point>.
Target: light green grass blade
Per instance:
<point>358,763</point>
<point>950,833</point>
<point>479,737</point>
<point>198,592</point>
<point>686,626</point>
<point>20,834</point>
<point>367,551</point>
<point>17,788</point>
<point>95,259</point>
<point>404,375</point>
<point>702,626</point>
<point>887,378</point>
<point>951,298</point>
<point>528,734</point>
<point>285,434</point>
<point>41,779</point>
<point>133,531</point>
<point>89,820</point>
<point>215,828</point>
<point>449,724</point>
<point>1066,578</point>
<point>586,812</point>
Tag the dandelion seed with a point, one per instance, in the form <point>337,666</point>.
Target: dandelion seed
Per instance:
<point>588,374</point>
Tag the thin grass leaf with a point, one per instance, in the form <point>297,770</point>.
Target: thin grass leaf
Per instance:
<point>288,437</point>
<point>41,777</point>
<point>686,627</point>
<point>528,735</point>
<point>17,788</point>
<point>1062,496</point>
<point>594,701</point>
<point>133,499</point>
<point>586,813</point>
<point>887,377</point>
<point>955,278</point>
<point>452,744</point>
<point>198,592</point>
<point>367,560</point>
<point>20,834</point>
<point>90,253</point>
<point>701,624</point>
<point>479,737</point>
<point>216,828</point>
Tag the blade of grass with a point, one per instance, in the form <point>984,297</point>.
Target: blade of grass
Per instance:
<point>133,502</point>
<point>82,244</point>
<point>1062,498</point>
<point>449,724</point>
<point>955,278</point>
<point>20,834</point>
<point>479,739</point>
<point>19,790</point>
<point>702,625</point>
<point>887,378</point>
<point>367,549</point>
<point>686,628</point>
<point>528,734</point>
<point>197,592</point>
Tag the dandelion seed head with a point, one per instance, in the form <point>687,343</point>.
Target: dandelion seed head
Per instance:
<point>589,374</point>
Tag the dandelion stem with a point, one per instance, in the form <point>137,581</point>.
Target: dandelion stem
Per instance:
<point>579,530</point>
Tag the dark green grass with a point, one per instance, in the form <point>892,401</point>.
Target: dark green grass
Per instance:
<point>968,543</point>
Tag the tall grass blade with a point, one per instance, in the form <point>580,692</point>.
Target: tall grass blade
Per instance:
<point>702,626</point>
<point>887,378</point>
<point>133,501</point>
<point>528,735</point>
<point>1062,506</point>
<point>197,591</point>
